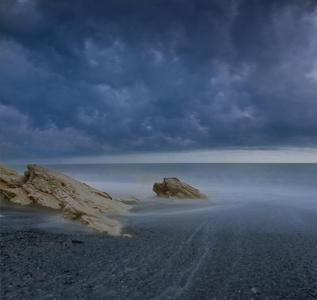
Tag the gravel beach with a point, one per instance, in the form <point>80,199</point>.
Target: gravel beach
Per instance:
<point>244,252</point>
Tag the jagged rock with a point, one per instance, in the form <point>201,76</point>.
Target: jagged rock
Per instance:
<point>131,200</point>
<point>10,178</point>
<point>79,201</point>
<point>91,219</point>
<point>10,186</point>
<point>174,188</point>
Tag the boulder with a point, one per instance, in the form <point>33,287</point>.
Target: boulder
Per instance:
<point>78,201</point>
<point>174,188</point>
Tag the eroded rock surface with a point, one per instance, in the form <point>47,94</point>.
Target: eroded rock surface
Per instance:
<point>78,201</point>
<point>10,186</point>
<point>174,188</point>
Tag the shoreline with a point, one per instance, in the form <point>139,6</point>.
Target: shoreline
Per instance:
<point>223,255</point>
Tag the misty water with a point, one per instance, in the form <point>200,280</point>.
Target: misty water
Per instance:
<point>258,195</point>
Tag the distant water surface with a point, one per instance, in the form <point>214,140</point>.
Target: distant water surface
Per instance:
<point>287,183</point>
<point>229,187</point>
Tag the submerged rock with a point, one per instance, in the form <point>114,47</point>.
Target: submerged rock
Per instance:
<point>78,201</point>
<point>131,200</point>
<point>174,188</point>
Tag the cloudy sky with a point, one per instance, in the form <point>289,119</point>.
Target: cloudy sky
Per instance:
<point>95,78</point>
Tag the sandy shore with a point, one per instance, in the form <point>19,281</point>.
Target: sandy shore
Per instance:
<point>241,253</point>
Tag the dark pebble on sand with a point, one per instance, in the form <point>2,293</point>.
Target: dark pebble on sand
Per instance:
<point>77,242</point>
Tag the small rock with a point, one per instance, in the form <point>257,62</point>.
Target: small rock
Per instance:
<point>131,200</point>
<point>254,290</point>
<point>174,188</point>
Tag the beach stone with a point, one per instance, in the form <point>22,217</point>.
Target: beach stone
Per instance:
<point>172,187</point>
<point>77,200</point>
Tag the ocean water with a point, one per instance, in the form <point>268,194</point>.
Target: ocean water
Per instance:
<point>284,184</point>
<point>261,194</point>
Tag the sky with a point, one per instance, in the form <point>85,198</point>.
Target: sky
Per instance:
<point>158,80</point>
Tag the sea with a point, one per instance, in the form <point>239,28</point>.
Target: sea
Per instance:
<point>264,191</point>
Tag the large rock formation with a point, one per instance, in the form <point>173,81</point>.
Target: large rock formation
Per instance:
<point>174,188</point>
<point>78,201</point>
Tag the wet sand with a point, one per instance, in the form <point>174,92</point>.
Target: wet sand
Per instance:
<point>237,252</point>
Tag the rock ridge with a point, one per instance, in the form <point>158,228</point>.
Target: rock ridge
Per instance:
<point>77,200</point>
<point>173,188</point>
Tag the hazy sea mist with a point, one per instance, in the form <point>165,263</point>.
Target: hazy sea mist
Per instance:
<point>290,184</point>
<point>264,196</point>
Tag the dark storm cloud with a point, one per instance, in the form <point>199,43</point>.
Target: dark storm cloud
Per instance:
<point>91,77</point>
